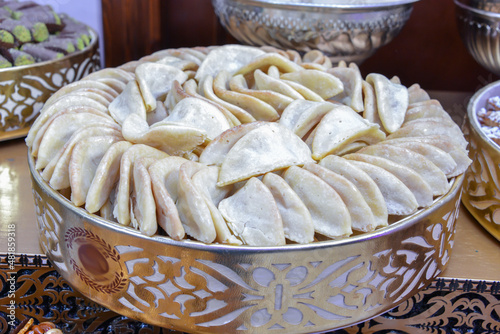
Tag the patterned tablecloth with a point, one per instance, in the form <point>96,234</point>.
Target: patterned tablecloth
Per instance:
<point>448,305</point>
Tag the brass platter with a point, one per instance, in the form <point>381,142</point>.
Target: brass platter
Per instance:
<point>193,287</point>
<point>481,194</point>
<point>24,89</point>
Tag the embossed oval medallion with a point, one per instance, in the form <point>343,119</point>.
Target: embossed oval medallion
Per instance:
<point>95,262</point>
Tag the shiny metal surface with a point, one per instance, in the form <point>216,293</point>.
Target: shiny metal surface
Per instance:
<point>24,89</point>
<point>194,287</point>
<point>351,31</point>
<point>487,5</point>
<point>480,33</point>
<point>481,194</point>
<point>17,214</point>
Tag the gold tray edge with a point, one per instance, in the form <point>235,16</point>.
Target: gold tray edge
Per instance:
<point>15,134</point>
<point>490,227</point>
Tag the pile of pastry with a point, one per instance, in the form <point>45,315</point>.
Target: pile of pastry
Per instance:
<point>243,145</point>
<point>31,33</point>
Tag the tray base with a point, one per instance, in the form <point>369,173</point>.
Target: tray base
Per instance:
<point>447,305</point>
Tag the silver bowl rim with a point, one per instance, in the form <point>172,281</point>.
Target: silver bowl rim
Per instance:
<point>93,43</point>
<point>459,3</point>
<point>322,4</point>
<point>402,224</point>
<point>472,114</point>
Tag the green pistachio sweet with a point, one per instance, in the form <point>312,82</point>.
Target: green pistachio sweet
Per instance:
<point>85,38</point>
<point>20,57</point>
<point>6,37</point>
<point>24,60</point>
<point>22,33</point>
<point>57,18</point>
<point>70,47</point>
<point>16,15</point>
<point>31,33</point>
<point>40,32</point>
<point>4,63</point>
<point>80,45</point>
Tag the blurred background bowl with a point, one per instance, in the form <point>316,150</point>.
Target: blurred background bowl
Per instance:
<point>24,89</point>
<point>481,190</point>
<point>344,30</point>
<point>479,26</point>
<point>486,5</point>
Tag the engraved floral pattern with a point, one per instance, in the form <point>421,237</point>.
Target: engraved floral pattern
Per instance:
<point>49,224</point>
<point>481,183</point>
<point>41,293</point>
<point>446,306</point>
<point>285,295</point>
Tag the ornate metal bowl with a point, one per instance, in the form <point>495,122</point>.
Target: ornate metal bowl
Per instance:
<point>194,287</point>
<point>478,25</point>
<point>24,89</point>
<point>351,31</point>
<point>481,194</point>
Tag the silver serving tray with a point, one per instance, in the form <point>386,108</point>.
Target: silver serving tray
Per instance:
<point>194,287</point>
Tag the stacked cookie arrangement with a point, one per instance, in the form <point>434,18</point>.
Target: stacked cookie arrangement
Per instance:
<point>31,33</point>
<point>243,145</point>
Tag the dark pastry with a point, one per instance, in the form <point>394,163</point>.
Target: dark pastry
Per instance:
<point>77,40</point>
<point>43,14</point>
<point>62,45</point>
<point>7,40</point>
<point>21,58</point>
<point>40,53</point>
<point>39,30</point>
<point>14,6</point>
<point>30,32</point>
<point>17,29</point>
<point>75,29</point>
<point>4,14</point>
<point>4,63</point>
